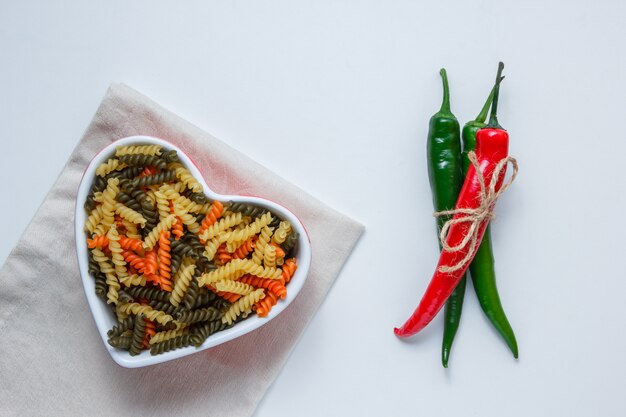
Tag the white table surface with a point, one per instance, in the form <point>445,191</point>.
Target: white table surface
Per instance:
<point>335,96</point>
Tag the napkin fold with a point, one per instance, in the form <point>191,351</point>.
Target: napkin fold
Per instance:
<point>53,362</point>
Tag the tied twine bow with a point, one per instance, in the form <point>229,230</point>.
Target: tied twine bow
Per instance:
<point>475,216</point>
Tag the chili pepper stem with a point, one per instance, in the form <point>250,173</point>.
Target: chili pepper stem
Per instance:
<point>493,118</point>
<point>445,104</point>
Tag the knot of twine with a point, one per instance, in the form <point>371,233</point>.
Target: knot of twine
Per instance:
<point>475,216</point>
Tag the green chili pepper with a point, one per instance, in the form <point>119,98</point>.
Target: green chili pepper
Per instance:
<point>482,267</point>
<point>446,178</point>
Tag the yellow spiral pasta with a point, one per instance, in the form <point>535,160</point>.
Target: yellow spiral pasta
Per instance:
<point>169,334</point>
<point>131,230</point>
<point>109,166</point>
<point>188,219</point>
<point>236,269</point>
<point>108,202</point>
<point>239,236</point>
<point>283,230</point>
<point>234,287</point>
<point>186,178</point>
<point>134,280</point>
<point>222,225</point>
<point>94,219</point>
<point>153,236</point>
<point>231,270</point>
<point>260,245</point>
<point>181,283</point>
<point>210,248</point>
<point>129,214</point>
<point>243,305</point>
<point>116,254</point>
<point>138,149</point>
<point>163,206</point>
<point>186,204</point>
<point>146,311</point>
<point>111,279</point>
<point>269,256</point>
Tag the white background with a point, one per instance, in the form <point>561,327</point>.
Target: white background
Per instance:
<point>335,96</point>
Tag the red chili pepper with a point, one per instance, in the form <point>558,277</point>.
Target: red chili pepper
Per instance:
<point>463,235</point>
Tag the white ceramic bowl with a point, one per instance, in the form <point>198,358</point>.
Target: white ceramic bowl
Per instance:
<point>102,313</point>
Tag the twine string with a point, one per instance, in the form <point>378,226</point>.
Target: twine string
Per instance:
<point>475,216</point>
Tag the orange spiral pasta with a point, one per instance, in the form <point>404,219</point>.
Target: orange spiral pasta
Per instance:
<point>150,331</point>
<point>215,211</point>
<point>151,262</point>
<point>134,260</point>
<point>280,253</point>
<point>165,261</point>
<point>177,227</point>
<point>149,170</point>
<point>131,244</point>
<point>264,306</point>
<point>245,248</point>
<point>228,296</point>
<point>289,268</point>
<point>98,242</point>
<point>272,285</point>
<point>223,256</point>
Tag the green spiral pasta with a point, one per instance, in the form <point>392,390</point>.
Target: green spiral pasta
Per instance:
<point>139,332</point>
<point>101,287</point>
<point>204,298</point>
<point>143,160</point>
<point>245,209</point>
<point>170,156</point>
<point>121,342</point>
<point>165,307</point>
<point>128,201</point>
<point>221,303</point>
<point>156,179</point>
<point>99,184</point>
<point>204,330</point>
<point>290,244</point>
<point>192,294</point>
<point>126,324</point>
<point>126,173</point>
<point>202,314</point>
<point>150,293</point>
<point>124,297</point>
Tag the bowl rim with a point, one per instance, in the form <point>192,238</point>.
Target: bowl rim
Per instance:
<point>101,311</point>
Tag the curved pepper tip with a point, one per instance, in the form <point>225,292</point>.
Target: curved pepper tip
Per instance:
<point>399,332</point>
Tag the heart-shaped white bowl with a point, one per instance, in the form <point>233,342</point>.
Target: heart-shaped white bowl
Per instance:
<point>102,313</point>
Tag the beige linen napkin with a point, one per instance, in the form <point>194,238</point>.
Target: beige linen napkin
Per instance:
<point>53,362</point>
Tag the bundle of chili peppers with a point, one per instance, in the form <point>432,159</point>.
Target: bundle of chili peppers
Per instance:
<point>466,181</point>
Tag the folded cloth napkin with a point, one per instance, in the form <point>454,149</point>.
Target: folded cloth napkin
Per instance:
<point>53,362</point>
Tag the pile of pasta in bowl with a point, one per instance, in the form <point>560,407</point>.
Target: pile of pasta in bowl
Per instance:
<point>174,265</point>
